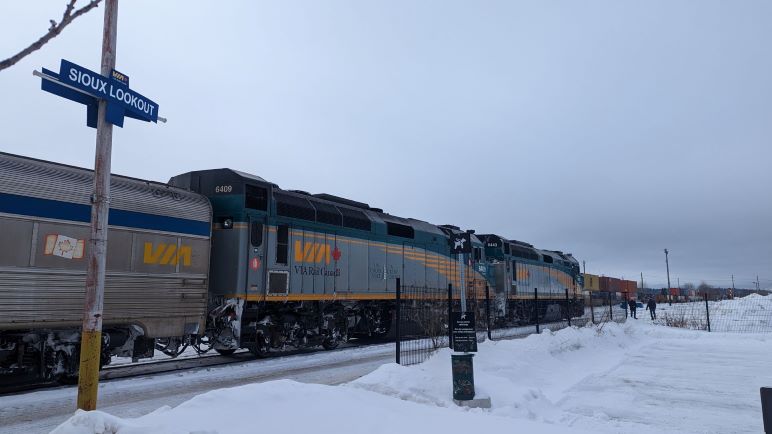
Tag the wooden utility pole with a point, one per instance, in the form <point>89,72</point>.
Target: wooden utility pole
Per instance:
<point>91,338</point>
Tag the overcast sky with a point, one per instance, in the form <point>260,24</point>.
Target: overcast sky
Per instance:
<point>608,129</point>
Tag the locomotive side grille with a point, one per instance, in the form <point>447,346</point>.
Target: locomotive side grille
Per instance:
<point>278,282</point>
<point>295,207</point>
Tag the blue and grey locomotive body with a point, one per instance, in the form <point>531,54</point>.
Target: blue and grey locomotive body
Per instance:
<point>518,269</point>
<point>291,268</point>
<point>227,260</point>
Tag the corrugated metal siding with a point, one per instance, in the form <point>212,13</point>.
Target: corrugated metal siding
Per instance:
<point>52,181</point>
<point>34,298</point>
<point>43,291</point>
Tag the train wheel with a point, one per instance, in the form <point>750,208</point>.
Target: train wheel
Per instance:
<point>260,347</point>
<point>62,370</point>
<point>330,344</point>
<point>334,339</point>
<point>202,344</point>
<point>172,347</point>
<point>225,352</point>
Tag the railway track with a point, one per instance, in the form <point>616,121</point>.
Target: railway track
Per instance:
<point>43,410</point>
<point>194,361</point>
<point>182,363</point>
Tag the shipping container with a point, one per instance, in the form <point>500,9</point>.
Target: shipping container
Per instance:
<point>612,284</point>
<point>616,284</point>
<point>630,286</point>
<point>591,282</point>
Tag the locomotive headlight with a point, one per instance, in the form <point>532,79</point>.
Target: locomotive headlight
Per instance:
<point>227,223</point>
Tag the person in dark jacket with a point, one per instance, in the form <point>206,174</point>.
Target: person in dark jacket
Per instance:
<point>652,308</point>
<point>632,305</point>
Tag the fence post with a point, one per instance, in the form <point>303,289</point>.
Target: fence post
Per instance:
<point>488,311</point>
<point>398,337</point>
<point>610,307</point>
<point>707,310</point>
<point>536,307</point>
<point>568,309</point>
<point>450,314</point>
<point>627,300</point>
<point>592,309</point>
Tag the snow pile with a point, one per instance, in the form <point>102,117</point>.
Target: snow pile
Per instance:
<point>749,314</point>
<point>752,313</point>
<point>289,407</point>
<point>634,377</point>
<point>523,377</point>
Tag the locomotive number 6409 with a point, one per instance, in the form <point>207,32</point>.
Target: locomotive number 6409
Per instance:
<point>223,189</point>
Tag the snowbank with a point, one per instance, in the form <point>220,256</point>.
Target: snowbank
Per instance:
<point>634,377</point>
<point>289,407</point>
<point>749,314</point>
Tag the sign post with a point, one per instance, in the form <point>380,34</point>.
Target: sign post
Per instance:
<point>462,327</point>
<point>91,338</point>
<point>461,245</point>
<point>464,340</point>
<point>108,100</point>
<point>766,408</point>
<point>462,365</point>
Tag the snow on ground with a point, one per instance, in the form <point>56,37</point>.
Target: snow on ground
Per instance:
<point>635,377</point>
<point>752,313</point>
<point>41,411</point>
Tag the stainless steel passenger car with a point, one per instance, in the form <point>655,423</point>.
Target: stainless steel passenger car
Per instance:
<point>157,264</point>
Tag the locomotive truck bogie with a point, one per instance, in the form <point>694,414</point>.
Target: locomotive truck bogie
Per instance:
<point>54,354</point>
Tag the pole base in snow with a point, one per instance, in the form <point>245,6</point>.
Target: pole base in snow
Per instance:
<point>766,408</point>
<point>474,403</point>
<point>463,377</point>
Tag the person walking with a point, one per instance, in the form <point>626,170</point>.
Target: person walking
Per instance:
<point>651,306</point>
<point>632,308</point>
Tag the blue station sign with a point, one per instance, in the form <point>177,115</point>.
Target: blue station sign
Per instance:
<point>87,87</point>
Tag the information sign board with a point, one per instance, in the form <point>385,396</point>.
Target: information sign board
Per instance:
<point>464,333</point>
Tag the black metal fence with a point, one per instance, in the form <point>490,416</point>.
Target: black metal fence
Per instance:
<point>750,314</point>
<point>605,306</point>
<point>528,313</point>
<point>421,322</point>
<point>422,315</point>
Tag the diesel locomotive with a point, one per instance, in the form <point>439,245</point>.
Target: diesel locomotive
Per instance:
<point>225,260</point>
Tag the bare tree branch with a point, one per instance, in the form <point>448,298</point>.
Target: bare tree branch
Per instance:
<point>53,31</point>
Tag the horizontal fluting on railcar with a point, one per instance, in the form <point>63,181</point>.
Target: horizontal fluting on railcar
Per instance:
<point>158,263</point>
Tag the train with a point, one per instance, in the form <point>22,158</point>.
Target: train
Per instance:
<point>225,260</point>
<point>601,290</point>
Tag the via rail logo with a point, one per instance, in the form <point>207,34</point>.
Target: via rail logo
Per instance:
<point>167,254</point>
<point>311,252</point>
